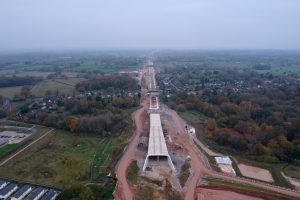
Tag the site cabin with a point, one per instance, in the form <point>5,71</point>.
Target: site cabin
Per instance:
<point>22,192</point>
<point>8,190</point>
<point>36,194</point>
<point>225,160</point>
<point>50,195</point>
<point>2,184</point>
<point>225,164</point>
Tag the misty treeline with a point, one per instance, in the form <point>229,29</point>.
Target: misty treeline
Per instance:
<point>114,82</point>
<point>18,81</point>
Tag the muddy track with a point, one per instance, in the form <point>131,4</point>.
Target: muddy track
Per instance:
<point>123,189</point>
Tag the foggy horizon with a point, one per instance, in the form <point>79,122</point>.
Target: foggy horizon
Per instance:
<point>138,25</point>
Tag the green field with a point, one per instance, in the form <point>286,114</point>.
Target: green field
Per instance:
<point>7,149</point>
<point>10,92</point>
<point>70,81</point>
<point>40,89</point>
<point>63,159</point>
<point>193,117</point>
<point>90,66</point>
<point>60,159</point>
<point>65,86</point>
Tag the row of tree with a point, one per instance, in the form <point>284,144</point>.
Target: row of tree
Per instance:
<point>108,123</point>
<point>105,82</point>
<point>18,81</point>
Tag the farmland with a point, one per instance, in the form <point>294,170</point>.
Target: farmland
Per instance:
<point>63,86</point>
<point>10,92</point>
<point>53,86</point>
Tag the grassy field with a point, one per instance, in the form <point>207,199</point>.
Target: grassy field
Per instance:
<point>70,81</point>
<point>66,86</point>
<point>193,117</point>
<point>292,171</point>
<point>106,157</point>
<point>133,170</point>
<point>59,159</point>
<point>246,187</point>
<point>63,159</point>
<point>53,86</point>
<point>7,149</point>
<point>90,66</point>
<point>10,92</point>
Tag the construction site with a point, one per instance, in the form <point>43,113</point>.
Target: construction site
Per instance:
<point>163,154</point>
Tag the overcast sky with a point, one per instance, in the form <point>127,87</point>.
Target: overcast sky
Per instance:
<point>131,24</point>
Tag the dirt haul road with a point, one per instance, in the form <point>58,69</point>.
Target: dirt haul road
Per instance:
<point>123,190</point>
<point>196,160</point>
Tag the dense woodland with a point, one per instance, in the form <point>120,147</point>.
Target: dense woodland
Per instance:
<point>248,112</point>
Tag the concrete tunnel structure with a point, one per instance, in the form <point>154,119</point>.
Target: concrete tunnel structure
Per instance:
<point>157,147</point>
